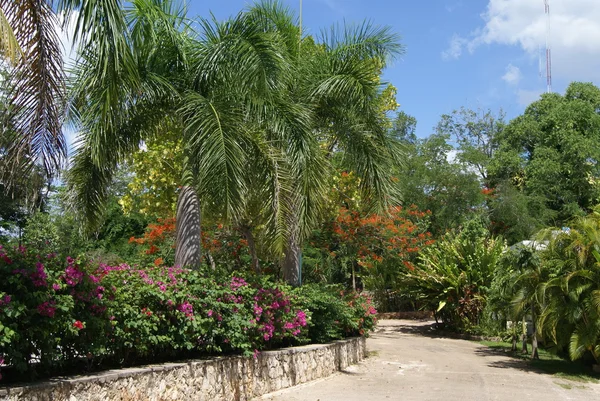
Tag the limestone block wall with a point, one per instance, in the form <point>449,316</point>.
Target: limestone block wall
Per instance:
<point>223,378</point>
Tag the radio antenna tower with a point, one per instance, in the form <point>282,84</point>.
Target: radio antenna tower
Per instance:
<point>548,49</point>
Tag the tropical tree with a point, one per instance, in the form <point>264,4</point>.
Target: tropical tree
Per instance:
<point>476,134</point>
<point>551,151</point>
<point>529,298</point>
<point>445,187</point>
<point>453,276</point>
<point>242,102</point>
<point>570,317</point>
<point>505,297</point>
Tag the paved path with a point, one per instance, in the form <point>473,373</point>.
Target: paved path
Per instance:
<point>408,363</point>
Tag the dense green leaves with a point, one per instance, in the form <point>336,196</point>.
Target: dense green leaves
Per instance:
<point>453,276</point>
<point>551,151</point>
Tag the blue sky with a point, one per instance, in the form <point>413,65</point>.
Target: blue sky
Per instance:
<point>471,53</point>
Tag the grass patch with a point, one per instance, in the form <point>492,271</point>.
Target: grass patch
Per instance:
<point>550,363</point>
<point>566,386</point>
<point>372,354</point>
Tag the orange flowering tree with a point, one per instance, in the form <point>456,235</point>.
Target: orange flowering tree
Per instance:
<point>223,247</point>
<point>374,250</point>
<point>157,245</point>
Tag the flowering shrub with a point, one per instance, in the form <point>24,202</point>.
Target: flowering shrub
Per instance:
<point>335,313</point>
<point>58,316</point>
<point>41,296</point>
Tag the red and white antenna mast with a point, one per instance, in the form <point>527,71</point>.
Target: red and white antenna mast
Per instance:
<point>548,49</point>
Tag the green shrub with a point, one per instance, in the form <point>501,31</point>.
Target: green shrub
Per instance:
<point>334,313</point>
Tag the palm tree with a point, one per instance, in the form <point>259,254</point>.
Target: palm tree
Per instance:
<point>530,297</point>
<point>223,91</point>
<point>571,315</point>
<point>250,115</point>
<point>337,79</point>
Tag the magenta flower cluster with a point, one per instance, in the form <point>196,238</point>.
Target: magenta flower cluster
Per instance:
<point>47,308</point>
<point>187,309</point>
<point>273,315</point>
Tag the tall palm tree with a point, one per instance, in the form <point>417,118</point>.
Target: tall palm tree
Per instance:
<point>253,111</point>
<point>337,79</point>
<point>223,88</point>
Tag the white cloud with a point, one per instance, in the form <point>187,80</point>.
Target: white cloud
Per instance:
<point>455,49</point>
<point>513,75</point>
<point>574,36</point>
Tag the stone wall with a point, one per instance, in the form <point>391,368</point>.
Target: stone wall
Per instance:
<point>224,378</point>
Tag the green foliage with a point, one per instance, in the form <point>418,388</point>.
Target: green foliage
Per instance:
<point>257,114</point>
<point>335,314</point>
<point>431,181</point>
<point>515,215</point>
<point>570,316</point>
<point>550,151</point>
<point>453,276</point>
<point>157,171</point>
<point>515,261</point>
<point>476,134</point>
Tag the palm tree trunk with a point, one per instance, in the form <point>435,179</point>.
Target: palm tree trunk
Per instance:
<point>524,336</point>
<point>291,262</point>
<point>210,260</point>
<point>247,233</point>
<point>513,330</point>
<point>188,251</point>
<point>534,342</point>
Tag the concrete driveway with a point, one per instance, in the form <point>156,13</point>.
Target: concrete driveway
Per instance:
<point>408,362</point>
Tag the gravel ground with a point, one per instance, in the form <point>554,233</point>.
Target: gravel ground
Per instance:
<point>408,362</point>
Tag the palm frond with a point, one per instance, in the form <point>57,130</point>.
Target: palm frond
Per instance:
<point>87,184</point>
<point>216,138</point>
<point>37,88</point>
<point>9,47</point>
<point>238,54</point>
<point>362,41</point>
<point>274,17</point>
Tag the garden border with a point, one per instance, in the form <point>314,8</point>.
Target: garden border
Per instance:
<point>220,378</point>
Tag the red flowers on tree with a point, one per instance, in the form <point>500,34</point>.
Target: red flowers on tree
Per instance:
<point>398,235</point>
